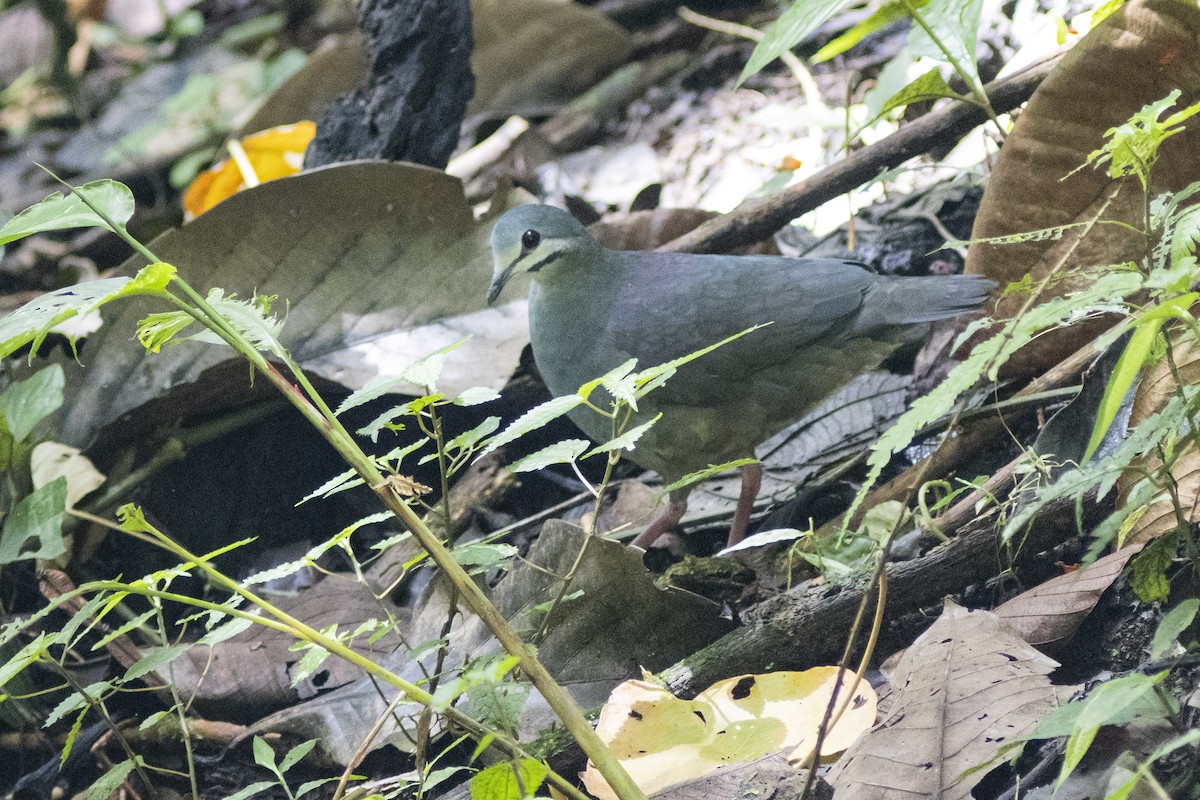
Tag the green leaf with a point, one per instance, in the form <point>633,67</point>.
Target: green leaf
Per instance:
<point>627,440</point>
<point>532,420</point>
<point>954,24</point>
<point>480,554</point>
<point>251,318</point>
<point>313,658</point>
<point>797,22</point>
<point>424,372</point>
<point>295,754</point>
<point>930,86</point>
<point>887,13</point>
<point>1129,365</point>
<point>264,756</point>
<point>564,452</point>
<point>1187,739</point>
<point>159,329</point>
<point>30,653</point>
<point>1132,148</point>
<point>252,790</point>
<point>499,781</point>
<point>1174,622</point>
<point>152,720</point>
<point>63,211</point>
<point>476,395</point>
<point>308,786</point>
<point>468,439</point>
<point>33,529</point>
<point>109,782</point>
<point>652,378</point>
<point>26,403</point>
<point>156,659</point>
<point>706,473</point>
<point>1104,704</point>
<point>1150,566</point>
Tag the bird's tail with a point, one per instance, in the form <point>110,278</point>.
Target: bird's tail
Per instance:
<point>910,301</point>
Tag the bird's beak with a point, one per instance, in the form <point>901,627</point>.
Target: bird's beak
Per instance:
<point>498,281</point>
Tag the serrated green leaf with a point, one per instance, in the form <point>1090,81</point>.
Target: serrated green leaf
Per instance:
<point>500,782</point>
<point>481,554</point>
<point>108,783</point>
<point>33,529</point>
<point>627,440</point>
<point>152,720</point>
<point>424,372</point>
<point>155,660</point>
<point>564,452</point>
<point>792,27</point>
<point>64,211</point>
<point>468,439</point>
<point>537,417</point>
<point>1173,623</point>
<point>476,395</point>
<point>706,473</point>
<point>251,318</point>
<point>313,658</point>
<point>26,403</point>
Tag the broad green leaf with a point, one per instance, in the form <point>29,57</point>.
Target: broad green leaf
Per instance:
<point>264,755</point>
<point>33,529</point>
<point>1149,579</point>
<point>108,783</point>
<point>887,13</point>
<point>930,86</point>
<point>564,452</point>
<point>952,28</point>
<point>32,322</point>
<point>499,781</point>
<point>1187,739</point>
<point>1173,623</point>
<point>63,211</point>
<point>627,440</point>
<point>1106,703</point>
<point>152,720</point>
<point>797,22</point>
<point>537,417</point>
<point>1128,367</point>
<point>295,754</point>
<point>26,403</point>
<point>706,473</point>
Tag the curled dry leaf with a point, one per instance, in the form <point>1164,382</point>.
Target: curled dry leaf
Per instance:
<point>1051,612</point>
<point>964,688</point>
<point>51,460</point>
<point>664,741</point>
<point>1138,55</point>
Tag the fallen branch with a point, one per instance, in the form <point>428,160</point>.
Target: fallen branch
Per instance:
<point>757,219</point>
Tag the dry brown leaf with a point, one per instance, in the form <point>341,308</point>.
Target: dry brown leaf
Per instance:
<point>1142,52</point>
<point>1051,612</point>
<point>964,688</point>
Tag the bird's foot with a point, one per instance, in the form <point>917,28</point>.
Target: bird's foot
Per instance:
<point>666,520</point>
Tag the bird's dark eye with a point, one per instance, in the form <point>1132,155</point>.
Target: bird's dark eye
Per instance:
<point>530,239</point>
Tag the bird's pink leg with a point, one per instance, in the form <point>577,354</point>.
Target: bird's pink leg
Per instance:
<point>752,475</point>
<point>666,520</point>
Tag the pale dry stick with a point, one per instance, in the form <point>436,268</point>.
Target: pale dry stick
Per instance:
<point>812,92</point>
<point>472,162</point>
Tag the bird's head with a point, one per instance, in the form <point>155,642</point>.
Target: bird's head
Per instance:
<point>530,238</point>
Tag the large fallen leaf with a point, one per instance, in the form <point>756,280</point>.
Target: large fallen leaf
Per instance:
<point>1051,612</point>
<point>662,740</point>
<point>1138,55</point>
<point>619,624</point>
<point>964,688</point>
<point>377,264</point>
